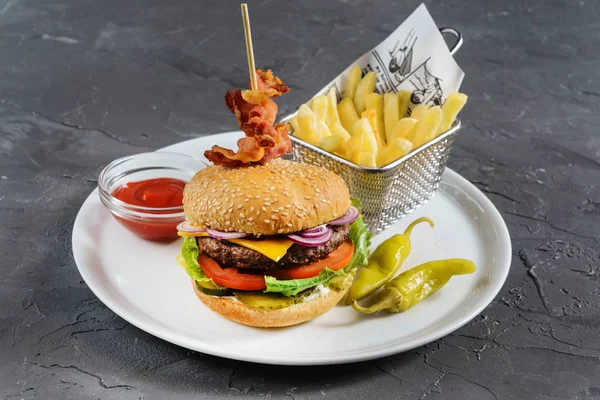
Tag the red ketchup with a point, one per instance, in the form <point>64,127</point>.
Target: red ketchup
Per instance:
<point>154,193</point>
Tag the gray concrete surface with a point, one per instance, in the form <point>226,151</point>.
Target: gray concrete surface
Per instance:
<point>85,82</point>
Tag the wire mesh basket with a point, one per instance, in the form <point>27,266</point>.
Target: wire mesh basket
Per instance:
<point>390,192</point>
<point>393,191</point>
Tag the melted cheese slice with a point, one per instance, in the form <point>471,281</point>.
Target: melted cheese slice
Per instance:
<point>274,249</point>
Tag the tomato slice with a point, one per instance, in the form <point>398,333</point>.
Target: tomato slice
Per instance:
<point>230,277</point>
<point>336,260</point>
<point>234,279</point>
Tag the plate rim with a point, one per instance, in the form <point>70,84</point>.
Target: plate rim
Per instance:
<point>450,176</point>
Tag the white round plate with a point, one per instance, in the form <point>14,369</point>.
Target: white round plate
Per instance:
<point>140,281</point>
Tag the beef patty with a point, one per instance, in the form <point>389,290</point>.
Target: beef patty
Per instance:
<point>229,254</point>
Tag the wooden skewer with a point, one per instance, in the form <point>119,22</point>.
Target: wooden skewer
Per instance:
<point>249,50</point>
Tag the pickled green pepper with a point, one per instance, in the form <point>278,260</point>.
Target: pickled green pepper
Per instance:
<point>413,285</point>
<point>383,264</point>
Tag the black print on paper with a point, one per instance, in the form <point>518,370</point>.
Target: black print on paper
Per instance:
<point>401,57</point>
<point>427,86</point>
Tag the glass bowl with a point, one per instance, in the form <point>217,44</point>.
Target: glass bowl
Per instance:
<point>158,224</point>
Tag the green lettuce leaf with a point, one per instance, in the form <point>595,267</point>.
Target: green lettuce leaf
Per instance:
<point>356,203</point>
<point>189,261</point>
<point>360,236</point>
<point>294,286</point>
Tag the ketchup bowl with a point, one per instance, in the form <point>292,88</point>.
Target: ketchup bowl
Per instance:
<point>143,192</point>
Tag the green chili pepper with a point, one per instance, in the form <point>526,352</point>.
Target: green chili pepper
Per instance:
<point>413,285</point>
<point>383,264</point>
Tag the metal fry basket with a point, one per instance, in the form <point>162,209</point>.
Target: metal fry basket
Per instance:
<point>395,190</point>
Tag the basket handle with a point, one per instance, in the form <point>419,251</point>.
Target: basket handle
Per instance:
<point>457,35</point>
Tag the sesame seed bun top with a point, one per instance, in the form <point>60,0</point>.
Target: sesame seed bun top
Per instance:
<point>275,198</point>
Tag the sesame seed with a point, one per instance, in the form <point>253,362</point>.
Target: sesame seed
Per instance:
<point>275,217</point>
<point>275,211</point>
<point>289,224</point>
<point>323,201</point>
<point>242,215</point>
<point>267,204</point>
<point>250,219</point>
<point>307,197</point>
<point>258,213</point>
<point>285,214</point>
<point>239,206</point>
<point>264,209</point>
<point>280,231</point>
<point>251,209</point>
<point>266,221</point>
<point>288,206</point>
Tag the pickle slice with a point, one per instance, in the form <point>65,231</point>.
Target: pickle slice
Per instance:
<point>266,301</point>
<point>212,290</point>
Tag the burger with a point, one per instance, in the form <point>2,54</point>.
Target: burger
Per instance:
<point>268,242</point>
<point>273,244</point>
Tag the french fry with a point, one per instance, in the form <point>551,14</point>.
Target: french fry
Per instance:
<point>393,151</point>
<point>307,122</point>
<point>419,111</point>
<point>427,127</point>
<point>333,144</point>
<point>322,130</point>
<point>362,140</point>
<point>371,115</point>
<point>294,123</point>
<point>402,129</point>
<point>369,140</point>
<point>365,86</point>
<point>374,101</point>
<point>354,145</point>
<point>391,114</point>
<point>365,158</point>
<point>452,106</point>
<point>338,130</point>
<point>333,117</point>
<point>403,102</point>
<point>348,114</point>
<point>319,106</point>
<point>353,79</point>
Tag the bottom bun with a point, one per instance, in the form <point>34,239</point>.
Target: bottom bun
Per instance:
<point>231,308</point>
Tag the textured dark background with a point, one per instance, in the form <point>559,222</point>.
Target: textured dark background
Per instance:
<point>85,82</point>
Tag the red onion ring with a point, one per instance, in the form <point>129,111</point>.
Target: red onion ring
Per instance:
<point>314,232</point>
<point>225,235</point>
<point>311,242</point>
<point>347,218</point>
<point>187,227</point>
<point>315,229</point>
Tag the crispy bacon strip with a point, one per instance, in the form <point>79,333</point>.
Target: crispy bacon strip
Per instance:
<point>248,151</point>
<point>271,85</point>
<point>256,113</point>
